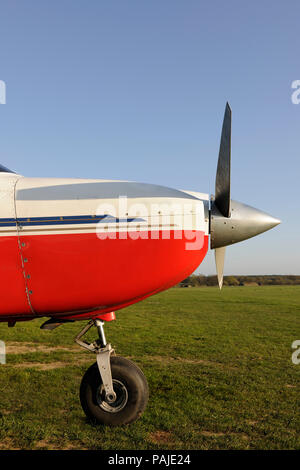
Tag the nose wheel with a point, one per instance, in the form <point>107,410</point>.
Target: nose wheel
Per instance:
<point>114,390</point>
<point>130,387</point>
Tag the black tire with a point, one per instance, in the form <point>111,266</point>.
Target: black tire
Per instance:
<point>129,384</point>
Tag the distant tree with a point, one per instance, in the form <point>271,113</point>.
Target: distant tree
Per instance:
<point>211,281</point>
<point>198,280</point>
<point>231,281</point>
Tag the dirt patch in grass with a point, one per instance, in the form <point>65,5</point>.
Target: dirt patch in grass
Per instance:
<point>212,434</point>
<point>45,444</point>
<point>221,434</point>
<point>15,347</point>
<point>161,437</point>
<point>168,359</point>
<point>39,365</point>
<point>23,348</point>
<point>49,365</point>
<point>8,444</point>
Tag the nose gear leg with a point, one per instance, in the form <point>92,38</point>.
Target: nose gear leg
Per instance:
<point>103,351</point>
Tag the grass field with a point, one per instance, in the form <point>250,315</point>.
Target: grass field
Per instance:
<point>218,365</point>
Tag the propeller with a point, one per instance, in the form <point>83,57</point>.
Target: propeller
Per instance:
<point>231,221</point>
<point>222,186</point>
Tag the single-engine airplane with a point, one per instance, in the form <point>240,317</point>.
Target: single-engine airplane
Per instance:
<point>63,240</point>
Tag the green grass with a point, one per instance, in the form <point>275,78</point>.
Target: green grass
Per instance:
<point>218,365</point>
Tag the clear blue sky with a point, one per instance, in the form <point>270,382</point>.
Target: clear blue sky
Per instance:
<point>133,89</point>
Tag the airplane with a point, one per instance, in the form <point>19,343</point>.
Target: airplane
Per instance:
<point>63,240</point>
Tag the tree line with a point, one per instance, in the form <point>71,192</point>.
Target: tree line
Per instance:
<point>199,280</point>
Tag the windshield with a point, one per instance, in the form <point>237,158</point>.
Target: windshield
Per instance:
<point>3,169</point>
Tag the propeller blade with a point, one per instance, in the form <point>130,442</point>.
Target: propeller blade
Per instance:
<point>245,221</point>
<point>222,190</point>
<point>220,257</point>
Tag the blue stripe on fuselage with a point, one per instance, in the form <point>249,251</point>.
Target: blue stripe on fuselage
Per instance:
<point>65,220</point>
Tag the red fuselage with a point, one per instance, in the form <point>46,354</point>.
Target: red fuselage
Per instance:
<point>70,249</point>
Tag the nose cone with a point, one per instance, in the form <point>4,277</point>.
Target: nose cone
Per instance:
<point>245,222</point>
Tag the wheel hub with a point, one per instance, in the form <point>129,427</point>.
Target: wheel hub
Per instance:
<point>121,397</point>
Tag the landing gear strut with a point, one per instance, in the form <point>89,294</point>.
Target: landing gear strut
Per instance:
<point>114,390</point>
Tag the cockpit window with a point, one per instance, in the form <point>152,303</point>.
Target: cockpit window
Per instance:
<point>3,169</point>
